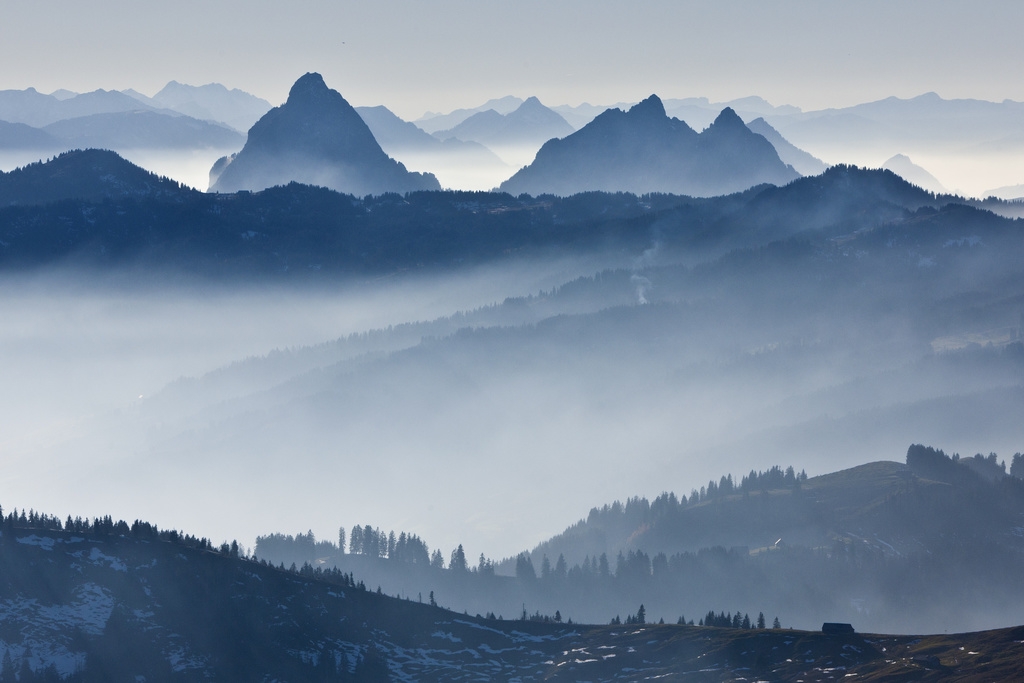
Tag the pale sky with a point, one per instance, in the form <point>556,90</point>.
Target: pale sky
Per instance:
<point>419,55</point>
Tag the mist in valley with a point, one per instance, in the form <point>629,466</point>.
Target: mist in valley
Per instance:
<point>493,407</point>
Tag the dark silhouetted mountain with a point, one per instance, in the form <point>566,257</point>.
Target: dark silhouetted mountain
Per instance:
<point>432,122</point>
<point>113,602</point>
<point>530,124</point>
<point>902,166</point>
<point>802,162</point>
<point>22,136</point>
<point>643,150</point>
<point>88,175</point>
<point>396,136</point>
<point>213,102</point>
<point>143,129</point>
<point>316,137</point>
<point>303,228</point>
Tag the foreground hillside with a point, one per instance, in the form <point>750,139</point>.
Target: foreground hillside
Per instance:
<point>110,602</point>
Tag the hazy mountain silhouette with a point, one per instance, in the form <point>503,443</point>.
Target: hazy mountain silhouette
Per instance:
<point>643,150</point>
<point>1006,192</point>
<point>530,124</point>
<point>142,129</point>
<point>927,118</point>
<point>902,166</point>
<point>396,135</point>
<point>213,102</point>
<point>316,137</point>
<point>90,174</point>
<point>433,122</point>
<point>803,162</point>
<point>22,136</point>
<point>38,110</point>
<point>700,112</point>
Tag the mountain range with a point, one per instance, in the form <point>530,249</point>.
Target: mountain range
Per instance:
<point>530,124</point>
<point>315,137</point>
<point>104,119</point>
<point>432,122</point>
<point>395,135</point>
<point>643,150</point>
<point>210,102</point>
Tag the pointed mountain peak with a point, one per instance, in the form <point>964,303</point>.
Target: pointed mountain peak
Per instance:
<point>530,105</point>
<point>728,119</point>
<point>652,107</point>
<point>310,87</point>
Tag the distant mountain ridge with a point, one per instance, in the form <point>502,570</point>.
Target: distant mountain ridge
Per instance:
<point>529,124</point>
<point>396,135</point>
<point>37,110</point>
<point>902,166</point>
<point>643,150</point>
<point>142,129</point>
<point>433,122</point>
<point>316,137</point>
<point>213,102</point>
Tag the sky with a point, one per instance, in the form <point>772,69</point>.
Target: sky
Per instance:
<point>437,55</point>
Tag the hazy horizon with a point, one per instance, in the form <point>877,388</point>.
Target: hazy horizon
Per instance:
<point>415,58</point>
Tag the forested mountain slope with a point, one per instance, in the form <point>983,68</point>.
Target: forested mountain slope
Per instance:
<point>104,601</point>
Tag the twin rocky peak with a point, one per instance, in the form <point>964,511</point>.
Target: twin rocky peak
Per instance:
<point>318,138</point>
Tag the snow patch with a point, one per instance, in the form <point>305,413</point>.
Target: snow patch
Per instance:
<point>48,631</point>
<point>97,557</point>
<point>44,542</point>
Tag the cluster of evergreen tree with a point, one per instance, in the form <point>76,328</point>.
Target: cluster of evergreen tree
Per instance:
<point>638,510</point>
<point>365,541</point>
<point>106,526</point>
<point>404,547</point>
<point>736,620</point>
<point>720,620</point>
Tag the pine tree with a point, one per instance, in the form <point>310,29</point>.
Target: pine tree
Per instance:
<point>458,560</point>
<point>776,624</point>
<point>7,668</point>
<point>641,615</point>
<point>760,619</point>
